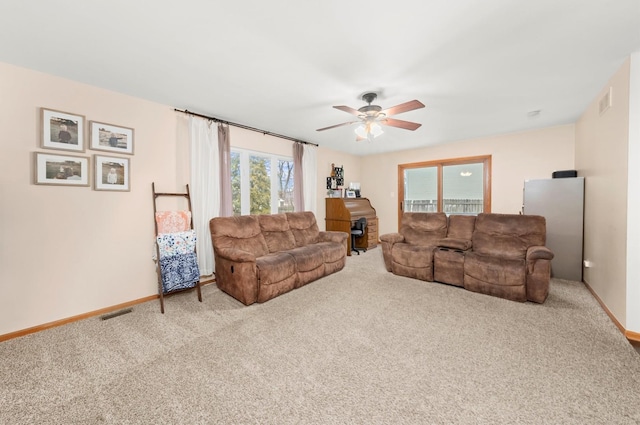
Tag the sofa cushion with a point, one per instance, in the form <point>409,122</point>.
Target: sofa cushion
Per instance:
<point>307,257</point>
<point>495,270</point>
<point>276,231</point>
<point>331,251</point>
<point>304,227</point>
<point>508,235</point>
<point>412,255</point>
<point>273,268</point>
<point>423,228</point>
<point>461,226</point>
<point>240,232</point>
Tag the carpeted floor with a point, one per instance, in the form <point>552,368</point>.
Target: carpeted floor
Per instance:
<point>358,347</point>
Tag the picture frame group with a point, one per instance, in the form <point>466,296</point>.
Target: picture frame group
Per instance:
<point>65,131</point>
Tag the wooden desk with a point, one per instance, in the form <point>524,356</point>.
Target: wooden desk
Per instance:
<point>342,214</point>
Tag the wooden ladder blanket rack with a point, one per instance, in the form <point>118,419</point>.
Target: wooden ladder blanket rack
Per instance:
<point>177,263</point>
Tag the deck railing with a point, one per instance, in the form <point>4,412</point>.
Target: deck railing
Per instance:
<point>451,206</point>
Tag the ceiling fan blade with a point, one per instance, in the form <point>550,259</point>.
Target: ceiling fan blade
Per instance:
<point>337,125</point>
<point>407,125</point>
<point>349,110</point>
<point>403,107</point>
<point>360,139</point>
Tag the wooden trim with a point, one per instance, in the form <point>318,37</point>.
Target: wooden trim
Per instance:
<point>450,161</point>
<point>630,335</point>
<point>204,280</point>
<point>440,190</point>
<point>83,316</point>
<point>487,184</point>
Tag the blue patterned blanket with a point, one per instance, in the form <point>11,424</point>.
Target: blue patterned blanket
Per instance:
<point>179,271</point>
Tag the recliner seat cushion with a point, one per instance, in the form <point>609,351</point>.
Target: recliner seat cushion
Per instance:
<point>415,261</point>
<point>307,257</point>
<point>495,270</point>
<point>331,251</point>
<point>412,255</point>
<point>273,268</point>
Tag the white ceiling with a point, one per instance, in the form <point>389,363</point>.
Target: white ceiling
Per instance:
<point>278,65</point>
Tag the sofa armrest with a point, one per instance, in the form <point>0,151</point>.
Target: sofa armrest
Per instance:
<point>386,242</point>
<point>332,236</point>
<point>236,255</point>
<point>392,238</point>
<point>539,253</point>
<point>455,243</point>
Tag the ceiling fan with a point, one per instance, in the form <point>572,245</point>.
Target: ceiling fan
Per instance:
<point>372,116</point>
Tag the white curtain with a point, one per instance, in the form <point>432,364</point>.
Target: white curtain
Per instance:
<point>204,185</point>
<point>310,178</point>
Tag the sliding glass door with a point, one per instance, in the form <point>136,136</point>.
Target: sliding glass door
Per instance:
<point>453,186</point>
<point>421,189</point>
<point>463,188</point>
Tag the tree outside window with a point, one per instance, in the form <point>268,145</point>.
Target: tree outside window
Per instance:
<point>255,189</point>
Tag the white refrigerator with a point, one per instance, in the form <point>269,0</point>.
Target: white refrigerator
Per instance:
<point>561,202</point>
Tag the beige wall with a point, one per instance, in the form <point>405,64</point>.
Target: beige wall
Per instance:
<point>67,251</point>
<point>633,199</point>
<point>71,250</point>
<point>515,158</point>
<point>601,157</point>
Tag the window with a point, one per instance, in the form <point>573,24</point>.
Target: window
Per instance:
<point>255,188</point>
<point>453,186</point>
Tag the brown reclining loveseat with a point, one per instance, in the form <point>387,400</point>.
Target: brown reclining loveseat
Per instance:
<point>495,254</point>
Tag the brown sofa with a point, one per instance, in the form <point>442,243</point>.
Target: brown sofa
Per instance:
<point>258,257</point>
<point>495,254</point>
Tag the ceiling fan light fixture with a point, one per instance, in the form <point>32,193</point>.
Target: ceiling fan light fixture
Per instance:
<point>361,131</point>
<point>369,130</point>
<point>373,117</point>
<point>375,129</point>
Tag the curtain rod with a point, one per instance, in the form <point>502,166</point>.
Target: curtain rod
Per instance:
<point>246,127</point>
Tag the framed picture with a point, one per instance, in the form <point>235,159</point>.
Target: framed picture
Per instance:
<point>112,138</point>
<point>111,173</point>
<point>61,170</point>
<point>62,130</point>
<point>351,193</point>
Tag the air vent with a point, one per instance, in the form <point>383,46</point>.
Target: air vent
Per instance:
<point>116,314</point>
<point>605,102</point>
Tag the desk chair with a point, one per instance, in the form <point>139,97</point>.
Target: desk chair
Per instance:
<point>357,231</point>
